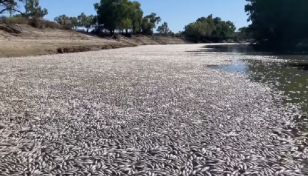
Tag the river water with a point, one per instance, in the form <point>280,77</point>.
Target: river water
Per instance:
<point>289,74</point>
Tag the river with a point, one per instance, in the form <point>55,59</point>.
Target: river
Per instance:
<point>288,74</point>
<point>152,110</point>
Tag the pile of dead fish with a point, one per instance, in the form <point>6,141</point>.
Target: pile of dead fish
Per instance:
<point>152,110</point>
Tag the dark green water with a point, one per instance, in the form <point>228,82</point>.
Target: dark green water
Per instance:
<point>287,74</point>
<point>289,77</point>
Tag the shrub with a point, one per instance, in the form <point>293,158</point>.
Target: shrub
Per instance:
<point>14,20</point>
<point>51,24</point>
<point>66,27</point>
<point>37,23</point>
<point>42,24</point>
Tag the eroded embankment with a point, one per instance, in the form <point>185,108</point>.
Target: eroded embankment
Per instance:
<point>33,41</point>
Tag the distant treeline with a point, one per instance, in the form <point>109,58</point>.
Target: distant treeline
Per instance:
<point>277,24</point>
<point>127,17</point>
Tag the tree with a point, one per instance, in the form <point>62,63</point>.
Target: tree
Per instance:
<point>196,30</point>
<point>125,24</point>
<point>146,26</point>
<point>89,22</point>
<point>74,21</point>
<point>10,6</point>
<point>149,22</point>
<point>86,21</point>
<point>82,19</point>
<point>210,24</point>
<point>66,21</point>
<point>279,24</point>
<point>244,33</point>
<point>153,19</point>
<point>113,14</point>
<point>124,15</point>
<point>163,29</point>
<point>97,26</point>
<point>136,16</point>
<point>228,29</point>
<point>34,10</point>
<point>210,28</point>
<point>61,19</point>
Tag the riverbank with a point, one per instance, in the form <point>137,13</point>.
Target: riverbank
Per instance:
<point>34,41</point>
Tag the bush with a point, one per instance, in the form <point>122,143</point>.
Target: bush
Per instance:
<point>66,27</point>
<point>42,24</point>
<point>37,23</point>
<point>14,20</point>
<point>51,24</point>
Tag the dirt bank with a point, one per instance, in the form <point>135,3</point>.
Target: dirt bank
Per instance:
<point>33,41</point>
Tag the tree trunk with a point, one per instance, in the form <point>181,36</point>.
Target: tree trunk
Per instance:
<point>111,31</point>
<point>126,31</point>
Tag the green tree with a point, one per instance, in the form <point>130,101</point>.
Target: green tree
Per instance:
<point>136,16</point>
<point>150,22</point>
<point>279,24</point>
<point>244,33</point>
<point>210,24</point>
<point>228,29</point>
<point>124,15</point>
<point>61,19</point>
<point>34,10</point>
<point>86,21</point>
<point>67,21</point>
<point>125,24</point>
<point>163,29</point>
<point>74,21</point>
<point>196,30</point>
<point>147,26</point>
<point>97,27</point>
<point>113,14</point>
<point>82,19</point>
<point>210,28</point>
<point>89,22</point>
<point>97,21</point>
<point>10,6</point>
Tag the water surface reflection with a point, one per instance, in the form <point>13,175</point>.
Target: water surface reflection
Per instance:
<point>290,77</point>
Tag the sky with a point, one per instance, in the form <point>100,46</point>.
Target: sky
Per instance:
<point>177,13</point>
